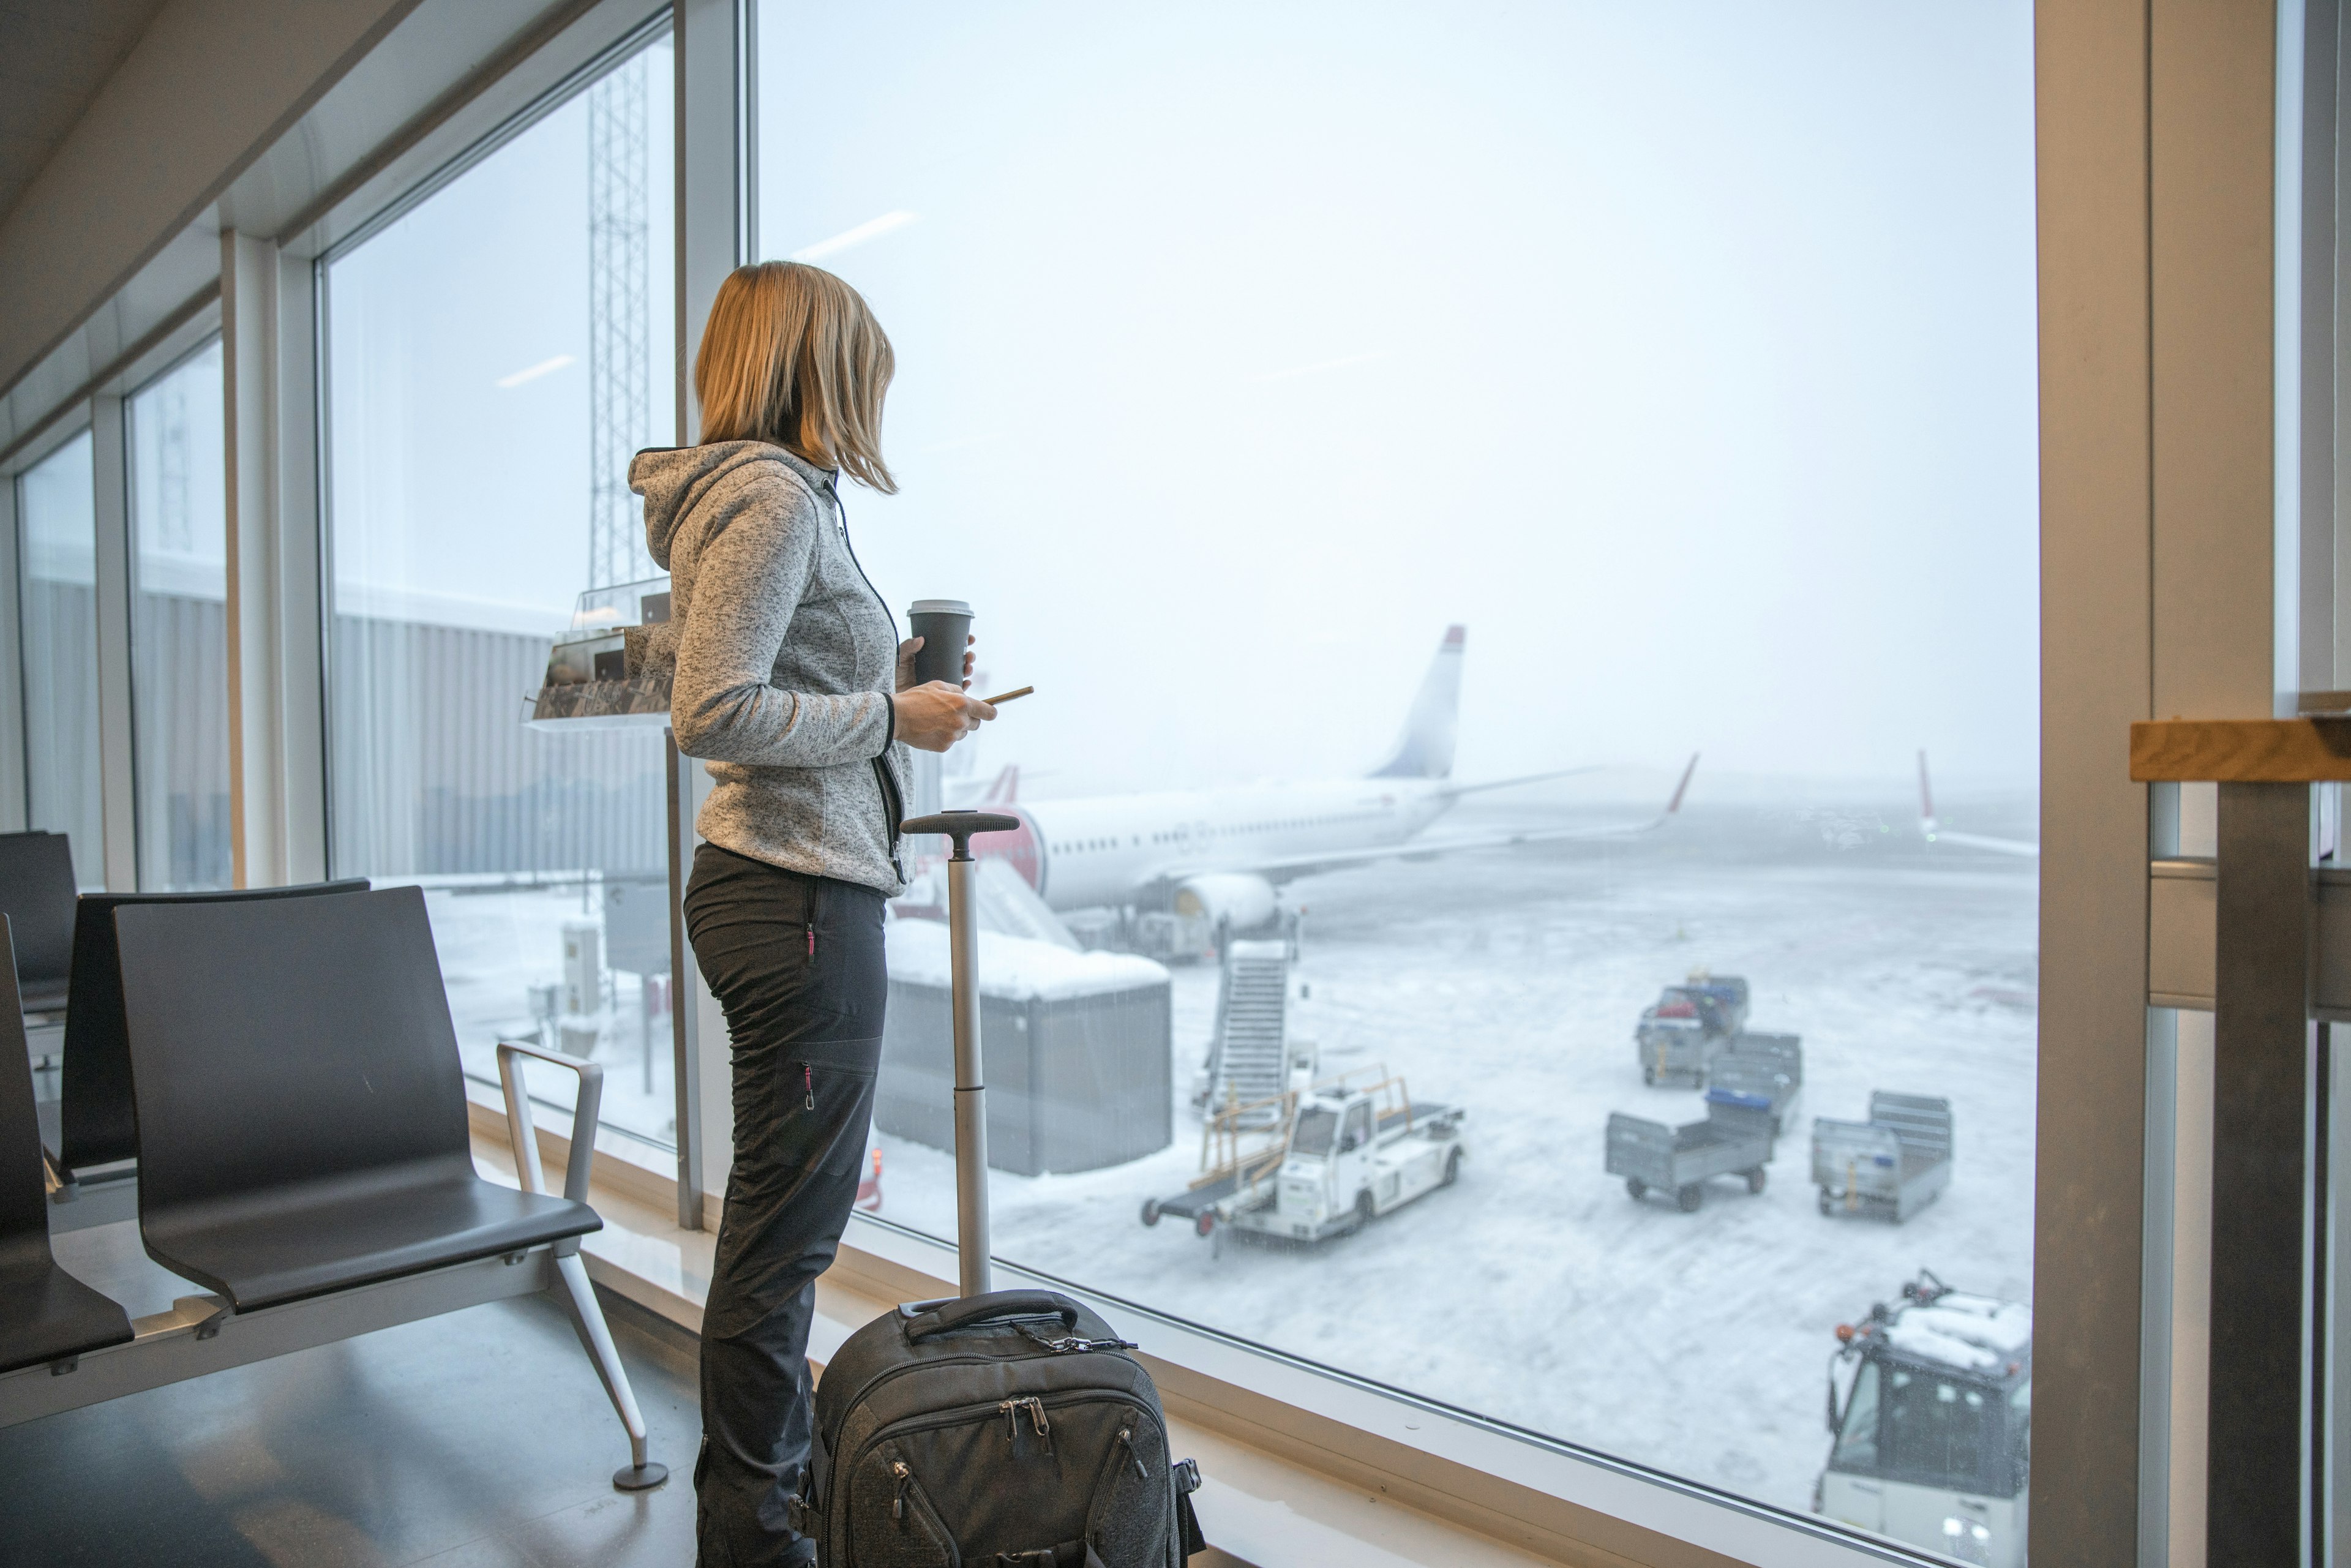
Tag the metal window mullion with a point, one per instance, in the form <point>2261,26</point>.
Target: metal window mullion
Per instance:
<point>16,792</point>
<point>117,757</point>
<point>713,127</point>
<point>300,520</point>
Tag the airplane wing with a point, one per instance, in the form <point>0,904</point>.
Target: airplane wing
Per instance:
<point>1430,847</point>
<point>1522,778</point>
<point>1934,832</point>
<point>1941,835</point>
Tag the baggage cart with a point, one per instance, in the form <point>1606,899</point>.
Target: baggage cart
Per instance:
<point>1770,1066</point>
<point>1891,1165</point>
<point>1734,1139</point>
<point>1689,1026</point>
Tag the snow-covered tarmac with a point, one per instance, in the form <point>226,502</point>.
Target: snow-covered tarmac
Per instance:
<point>1536,1291</point>
<point>1508,982</point>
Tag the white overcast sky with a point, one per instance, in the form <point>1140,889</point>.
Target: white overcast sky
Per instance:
<point>1684,351</point>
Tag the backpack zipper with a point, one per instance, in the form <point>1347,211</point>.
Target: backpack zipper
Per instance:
<point>964,1415</point>
<point>888,1372</point>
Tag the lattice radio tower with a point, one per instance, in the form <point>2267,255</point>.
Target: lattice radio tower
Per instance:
<point>619,240</point>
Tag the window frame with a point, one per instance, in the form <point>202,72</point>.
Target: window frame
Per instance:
<point>2154,332</point>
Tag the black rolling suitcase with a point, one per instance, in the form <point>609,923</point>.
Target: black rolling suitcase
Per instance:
<point>998,1428</point>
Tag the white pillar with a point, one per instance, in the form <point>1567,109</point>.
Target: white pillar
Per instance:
<point>276,773</point>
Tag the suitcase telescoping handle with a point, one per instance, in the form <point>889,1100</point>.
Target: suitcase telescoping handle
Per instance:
<point>970,1092</point>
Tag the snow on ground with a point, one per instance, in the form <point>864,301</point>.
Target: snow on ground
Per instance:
<point>1537,1290</point>
<point>495,944</point>
<point>1509,982</point>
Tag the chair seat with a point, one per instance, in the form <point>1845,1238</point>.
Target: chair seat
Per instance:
<point>47,1314</point>
<point>309,1239</point>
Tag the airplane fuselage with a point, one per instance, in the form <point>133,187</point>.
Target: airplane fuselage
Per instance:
<point>1126,849</point>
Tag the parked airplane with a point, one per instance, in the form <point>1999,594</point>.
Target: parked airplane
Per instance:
<point>1220,854</point>
<point>1934,832</point>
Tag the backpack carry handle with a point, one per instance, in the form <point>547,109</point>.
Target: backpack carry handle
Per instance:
<point>966,1311</point>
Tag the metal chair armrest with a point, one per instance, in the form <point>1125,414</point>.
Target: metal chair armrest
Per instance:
<point>584,1119</point>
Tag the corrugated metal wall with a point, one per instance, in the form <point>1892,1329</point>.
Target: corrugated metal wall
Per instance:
<point>179,704</point>
<point>60,652</point>
<point>434,772</point>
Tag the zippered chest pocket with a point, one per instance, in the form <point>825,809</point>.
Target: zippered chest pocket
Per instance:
<point>1028,1475</point>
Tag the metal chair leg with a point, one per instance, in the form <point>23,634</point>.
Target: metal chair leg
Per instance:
<point>596,1336</point>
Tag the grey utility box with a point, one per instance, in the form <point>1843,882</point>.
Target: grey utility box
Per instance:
<point>1077,1049</point>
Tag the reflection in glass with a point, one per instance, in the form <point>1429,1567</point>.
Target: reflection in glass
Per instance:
<point>58,542</point>
<point>1688,368</point>
<point>178,625</point>
<point>494,356</point>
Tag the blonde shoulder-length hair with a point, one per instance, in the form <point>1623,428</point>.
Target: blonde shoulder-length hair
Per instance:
<point>792,355</point>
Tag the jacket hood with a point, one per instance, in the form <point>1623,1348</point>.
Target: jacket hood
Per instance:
<point>671,479</point>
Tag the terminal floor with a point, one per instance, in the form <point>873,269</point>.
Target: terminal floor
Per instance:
<point>481,1439</point>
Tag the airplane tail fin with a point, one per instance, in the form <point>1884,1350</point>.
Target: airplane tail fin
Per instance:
<point>1006,790</point>
<point>1424,749</point>
<point>1926,800</point>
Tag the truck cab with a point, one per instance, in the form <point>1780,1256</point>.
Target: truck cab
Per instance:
<point>1931,1400</point>
<point>1329,1164</point>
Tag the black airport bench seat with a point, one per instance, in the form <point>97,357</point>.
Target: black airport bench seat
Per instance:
<point>303,1151</point>
<point>36,898</point>
<point>91,1131</point>
<point>46,1315</point>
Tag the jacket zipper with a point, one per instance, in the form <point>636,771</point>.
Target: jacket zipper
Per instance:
<point>894,806</point>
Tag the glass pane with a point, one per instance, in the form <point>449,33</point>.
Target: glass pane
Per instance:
<point>495,355</point>
<point>1351,418</point>
<point>178,625</point>
<point>57,529</point>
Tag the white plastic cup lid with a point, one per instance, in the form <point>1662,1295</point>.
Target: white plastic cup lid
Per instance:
<point>938,607</point>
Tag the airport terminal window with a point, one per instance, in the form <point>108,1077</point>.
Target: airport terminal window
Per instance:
<point>1683,359</point>
<point>178,625</point>
<point>495,354</point>
<point>57,532</point>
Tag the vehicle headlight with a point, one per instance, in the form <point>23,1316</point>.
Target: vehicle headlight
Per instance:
<point>1967,1540</point>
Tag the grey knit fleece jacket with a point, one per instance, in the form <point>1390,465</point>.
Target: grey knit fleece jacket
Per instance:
<point>785,659</point>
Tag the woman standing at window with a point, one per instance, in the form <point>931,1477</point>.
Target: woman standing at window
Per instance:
<point>790,682</point>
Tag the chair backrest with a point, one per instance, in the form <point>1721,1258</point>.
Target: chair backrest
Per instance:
<point>279,1042</point>
<point>36,895</point>
<point>24,1195</point>
<point>97,1123</point>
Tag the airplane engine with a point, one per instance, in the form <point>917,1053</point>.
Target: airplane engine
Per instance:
<point>1234,899</point>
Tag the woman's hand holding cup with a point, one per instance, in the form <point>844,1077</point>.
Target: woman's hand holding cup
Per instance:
<point>914,646</point>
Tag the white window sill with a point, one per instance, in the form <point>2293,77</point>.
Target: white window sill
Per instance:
<point>1302,1466</point>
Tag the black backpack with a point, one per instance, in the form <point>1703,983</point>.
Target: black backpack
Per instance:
<point>1009,1430</point>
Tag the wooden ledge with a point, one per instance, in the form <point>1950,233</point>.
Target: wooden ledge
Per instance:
<point>2242,750</point>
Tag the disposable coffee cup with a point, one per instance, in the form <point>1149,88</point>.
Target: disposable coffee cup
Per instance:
<point>945,626</point>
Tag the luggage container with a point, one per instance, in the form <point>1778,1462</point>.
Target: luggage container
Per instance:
<point>1081,1070</point>
<point>1891,1165</point>
<point>1735,1139</point>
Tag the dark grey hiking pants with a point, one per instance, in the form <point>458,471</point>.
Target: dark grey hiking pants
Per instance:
<point>797,963</point>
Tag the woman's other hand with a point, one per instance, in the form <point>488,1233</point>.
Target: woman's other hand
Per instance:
<point>912,646</point>
<point>935,715</point>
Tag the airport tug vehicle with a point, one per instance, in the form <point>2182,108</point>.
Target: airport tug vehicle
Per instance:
<point>1930,1399</point>
<point>1329,1160</point>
